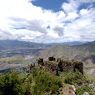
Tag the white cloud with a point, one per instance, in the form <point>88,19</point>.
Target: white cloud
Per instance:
<point>86,1</point>
<point>20,19</point>
<point>71,16</point>
<point>83,28</point>
<point>53,34</point>
<point>84,12</point>
<point>71,6</point>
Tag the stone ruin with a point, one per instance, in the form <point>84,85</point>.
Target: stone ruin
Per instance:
<point>57,64</point>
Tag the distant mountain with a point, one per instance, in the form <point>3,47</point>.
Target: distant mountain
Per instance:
<point>89,46</point>
<point>14,44</point>
<point>74,43</point>
<point>15,47</point>
<point>84,52</point>
<point>71,50</point>
<point>60,51</point>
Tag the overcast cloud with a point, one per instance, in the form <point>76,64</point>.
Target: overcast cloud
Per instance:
<point>21,20</point>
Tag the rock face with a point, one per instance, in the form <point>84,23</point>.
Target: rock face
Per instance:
<point>70,90</point>
<point>86,93</point>
<point>56,65</point>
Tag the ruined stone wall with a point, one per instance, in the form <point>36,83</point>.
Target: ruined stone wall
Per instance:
<point>71,66</point>
<point>55,65</point>
<point>78,66</point>
<point>51,67</point>
<point>65,66</point>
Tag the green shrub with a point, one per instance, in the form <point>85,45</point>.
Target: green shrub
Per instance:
<point>75,78</point>
<point>38,82</point>
<point>45,82</point>
<point>83,89</point>
<point>10,84</point>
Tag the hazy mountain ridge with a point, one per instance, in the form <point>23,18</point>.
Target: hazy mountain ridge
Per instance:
<point>14,44</point>
<point>15,47</point>
<point>74,43</point>
<point>89,46</point>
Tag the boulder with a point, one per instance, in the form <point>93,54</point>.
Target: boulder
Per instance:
<point>86,93</point>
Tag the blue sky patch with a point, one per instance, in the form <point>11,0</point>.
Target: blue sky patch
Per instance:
<point>54,5</point>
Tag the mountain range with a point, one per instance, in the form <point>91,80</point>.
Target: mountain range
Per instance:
<point>14,47</point>
<point>68,50</point>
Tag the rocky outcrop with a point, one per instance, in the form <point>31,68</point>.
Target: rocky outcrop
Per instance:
<point>86,93</point>
<point>68,90</point>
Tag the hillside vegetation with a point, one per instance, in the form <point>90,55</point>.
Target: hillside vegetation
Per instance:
<point>40,80</point>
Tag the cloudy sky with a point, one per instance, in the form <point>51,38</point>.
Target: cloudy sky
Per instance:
<point>47,21</point>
